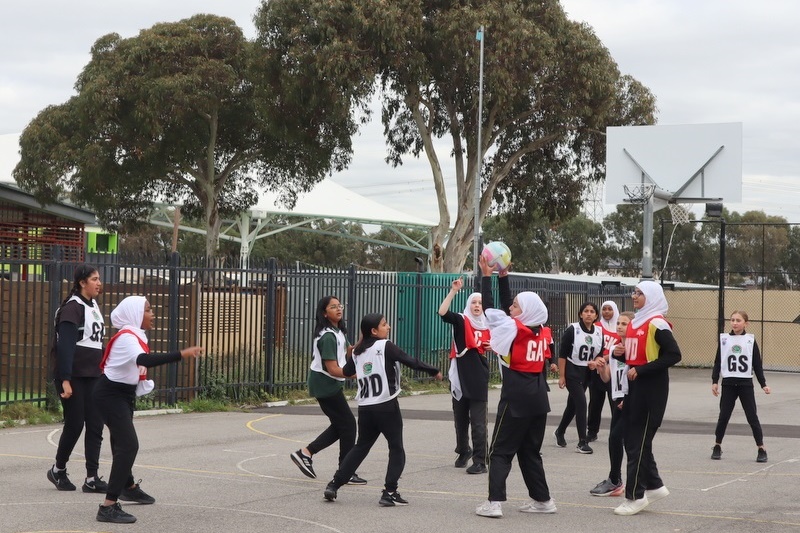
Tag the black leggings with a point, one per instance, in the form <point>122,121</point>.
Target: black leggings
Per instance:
<point>116,402</point>
<point>597,399</point>
<point>577,378</point>
<point>371,424</point>
<point>616,446</point>
<point>342,428</point>
<point>79,411</point>
<point>727,401</point>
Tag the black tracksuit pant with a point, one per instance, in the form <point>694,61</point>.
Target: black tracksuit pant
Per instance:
<point>643,413</point>
<point>80,411</point>
<point>468,413</point>
<point>115,403</point>
<point>342,427</point>
<point>374,421</point>
<point>745,392</point>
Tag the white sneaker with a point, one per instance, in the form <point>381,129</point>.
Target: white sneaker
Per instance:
<point>631,507</point>
<point>490,509</point>
<point>656,494</point>
<point>533,506</point>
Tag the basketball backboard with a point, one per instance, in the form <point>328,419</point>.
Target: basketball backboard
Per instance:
<point>688,163</point>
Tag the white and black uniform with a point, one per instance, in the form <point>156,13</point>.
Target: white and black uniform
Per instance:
<point>377,370</point>
<point>75,357</point>
<point>329,345</point>
<point>737,359</point>
<point>578,346</point>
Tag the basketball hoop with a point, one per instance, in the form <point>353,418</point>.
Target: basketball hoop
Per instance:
<point>639,193</point>
<point>680,213</point>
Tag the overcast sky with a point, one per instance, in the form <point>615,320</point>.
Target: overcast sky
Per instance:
<point>706,61</point>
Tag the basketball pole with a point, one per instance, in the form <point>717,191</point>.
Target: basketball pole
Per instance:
<point>647,240</point>
<point>479,164</point>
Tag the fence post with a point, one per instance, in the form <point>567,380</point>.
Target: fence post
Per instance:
<point>354,326</point>
<point>173,303</point>
<point>269,329</point>
<point>54,280</point>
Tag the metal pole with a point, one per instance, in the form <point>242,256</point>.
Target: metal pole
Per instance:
<point>647,240</point>
<point>479,164</point>
<point>721,303</point>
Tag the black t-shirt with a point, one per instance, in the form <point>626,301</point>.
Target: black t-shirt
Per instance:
<point>71,359</point>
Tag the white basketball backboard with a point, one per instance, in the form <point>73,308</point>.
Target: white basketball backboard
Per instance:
<point>689,163</point>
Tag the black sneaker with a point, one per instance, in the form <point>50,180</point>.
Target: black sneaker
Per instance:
<point>582,447</point>
<point>477,468</point>
<point>463,458</point>
<point>60,479</point>
<point>762,456</point>
<point>716,452</point>
<point>355,480</point>
<point>304,463</point>
<point>391,499</point>
<point>561,442</point>
<point>330,492</point>
<point>96,484</point>
<point>114,514</point>
<point>137,495</point>
<point>591,437</point>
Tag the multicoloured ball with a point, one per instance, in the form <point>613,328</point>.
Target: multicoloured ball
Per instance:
<point>497,255</point>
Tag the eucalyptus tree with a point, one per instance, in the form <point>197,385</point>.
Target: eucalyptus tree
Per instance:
<point>551,88</point>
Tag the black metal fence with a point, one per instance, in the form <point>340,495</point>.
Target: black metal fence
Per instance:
<point>257,323</point>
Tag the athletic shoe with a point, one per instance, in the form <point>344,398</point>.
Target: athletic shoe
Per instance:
<point>656,494</point>
<point>114,514</point>
<point>304,463</point>
<point>762,456</point>
<point>96,484</point>
<point>582,447</point>
<point>716,452</point>
<point>533,506</point>
<point>631,507</point>
<point>607,488</point>
<point>561,442</point>
<point>463,458</point>
<point>619,491</point>
<point>490,509</point>
<point>390,499</point>
<point>60,479</point>
<point>477,468</point>
<point>330,492</point>
<point>137,495</point>
<point>591,437</point>
<point>355,480</point>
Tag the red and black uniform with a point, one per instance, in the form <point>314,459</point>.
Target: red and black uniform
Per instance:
<point>470,400</point>
<point>651,349</point>
<point>523,406</point>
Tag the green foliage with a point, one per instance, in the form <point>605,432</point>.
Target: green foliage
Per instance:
<point>550,89</point>
<point>190,111</point>
<point>12,413</point>
<point>205,405</point>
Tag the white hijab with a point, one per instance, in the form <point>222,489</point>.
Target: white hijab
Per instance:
<point>504,328</point>
<point>478,322</point>
<point>129,314</point>
<point>655,303</point>
<point>534,312</point>
<point>609,325</point>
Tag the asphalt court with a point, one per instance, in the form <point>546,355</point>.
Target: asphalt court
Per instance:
<point>216,472</point>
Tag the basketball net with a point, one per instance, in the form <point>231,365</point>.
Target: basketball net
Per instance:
<point>680,215</point>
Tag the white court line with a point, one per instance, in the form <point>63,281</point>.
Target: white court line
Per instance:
<point>749,474</point>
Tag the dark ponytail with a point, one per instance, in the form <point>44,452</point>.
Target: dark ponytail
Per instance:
<point>82,273</point>
<point>368,323</point>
